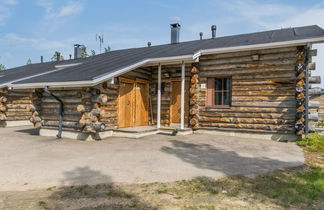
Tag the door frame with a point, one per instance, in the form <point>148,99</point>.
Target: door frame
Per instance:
<point>133,107</point>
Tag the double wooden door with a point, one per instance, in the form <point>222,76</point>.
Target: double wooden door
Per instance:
<point>132,103</point>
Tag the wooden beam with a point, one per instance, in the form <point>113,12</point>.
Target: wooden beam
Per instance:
<point>183,75</point>
<point>158,123</point>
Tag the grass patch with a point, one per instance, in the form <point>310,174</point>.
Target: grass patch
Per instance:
<point>314,142</point>
<point>320,124</point>
<point>42,204</point>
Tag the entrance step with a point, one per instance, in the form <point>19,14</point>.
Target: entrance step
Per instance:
<point>135,132</point>
<point>175,131</point>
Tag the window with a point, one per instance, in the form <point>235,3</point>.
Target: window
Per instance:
<point>219,91</point>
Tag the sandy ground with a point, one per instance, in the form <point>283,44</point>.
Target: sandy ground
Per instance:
<point>29,161</point>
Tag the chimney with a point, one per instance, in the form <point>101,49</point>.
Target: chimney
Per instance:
<point>201,35</point>
<point>213,29</point>
<point>58,56</point>
<point>42,59</point>
<point>175,33</point>
<point>77,51</point>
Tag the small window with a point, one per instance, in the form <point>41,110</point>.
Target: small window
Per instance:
<point>219,91</point>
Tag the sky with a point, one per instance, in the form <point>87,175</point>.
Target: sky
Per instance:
<point>34,28</point>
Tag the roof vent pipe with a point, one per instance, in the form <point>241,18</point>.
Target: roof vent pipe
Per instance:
<point>42,59</point>
<point>201,35</point>
<point>213,29</point>
<point>77,51</point>
<point>149,44</point>
<point>175,33</point>
<point>58,56</point>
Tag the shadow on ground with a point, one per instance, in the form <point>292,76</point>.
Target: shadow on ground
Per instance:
<point>206,156</point>
<point>99,196</point>
<point>31,131</point>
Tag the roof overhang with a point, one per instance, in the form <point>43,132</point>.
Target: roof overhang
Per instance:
<point>166,60</point>
<point>259,46</point>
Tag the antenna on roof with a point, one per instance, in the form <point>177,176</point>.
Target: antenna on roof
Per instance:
<point>100,38</point>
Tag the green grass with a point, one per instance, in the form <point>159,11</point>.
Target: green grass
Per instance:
<point>320,124</point>
<point>314,142</point>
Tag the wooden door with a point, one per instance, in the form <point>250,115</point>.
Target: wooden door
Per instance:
<point>126,104</point>
<point>175,109</point>
<point>141,112</point>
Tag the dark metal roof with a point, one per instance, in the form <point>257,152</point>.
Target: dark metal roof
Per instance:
<point>113,61</point>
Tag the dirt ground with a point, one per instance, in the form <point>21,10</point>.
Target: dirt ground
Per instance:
<point>29,161</point>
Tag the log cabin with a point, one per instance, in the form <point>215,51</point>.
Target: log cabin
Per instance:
<point>254,85</point>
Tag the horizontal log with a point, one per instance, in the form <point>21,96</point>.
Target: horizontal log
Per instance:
<point>15,118</point>
<point>262,98</point>
<point>262,115</point>
<point>314,104</point>
<point>65,118</point>
<point>18,113</point>
<point>315,80</point>
<point>17,106</point>
<point>286,104</point>
<point>251,70</point>
<point>248,109</point>
<point>246,120</point>
<point>311,66</point>
<point>314,91</point>
<point>268,58</point>
<point>249,53</point>
<point>65,124</point>
<point>71,100</point>
<point>313,116</point>
<point>248,126</point>
<point>313,52</point>
<point>263,81</point>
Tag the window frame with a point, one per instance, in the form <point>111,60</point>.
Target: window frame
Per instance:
<point>210,100</point>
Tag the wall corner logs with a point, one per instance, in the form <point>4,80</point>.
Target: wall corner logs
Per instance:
<point>16,105</point>
<point>303,61</point>
<point>300,90</point>
<point>88,109</point>
<point>3,106</point>
<point>194,96</point>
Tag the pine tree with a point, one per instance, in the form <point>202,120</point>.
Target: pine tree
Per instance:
<point>29,62</point>
<point>2,67</point>
<point>55,56</point>
<point>84,53</point>
<point>107,49</point>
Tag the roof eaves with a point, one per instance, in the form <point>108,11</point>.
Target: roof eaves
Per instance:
<point>258,46</point>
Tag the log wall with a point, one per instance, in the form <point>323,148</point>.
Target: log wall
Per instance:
<point>89,110</point>
<point>263,90</point>
<point>16,105</point>
<point>320,110</point>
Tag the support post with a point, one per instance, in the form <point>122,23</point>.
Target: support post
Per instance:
<point>183,68</point>
<point>309,47</point>
<point>158,118</point>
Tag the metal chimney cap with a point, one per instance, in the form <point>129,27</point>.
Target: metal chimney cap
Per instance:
<point>213,27</point>
<point>149,44</point>
<point>175,25</point>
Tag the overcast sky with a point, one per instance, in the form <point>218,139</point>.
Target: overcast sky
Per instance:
<point>29,29</point>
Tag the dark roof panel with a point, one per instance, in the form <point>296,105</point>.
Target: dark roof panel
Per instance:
<point>118,59</point>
